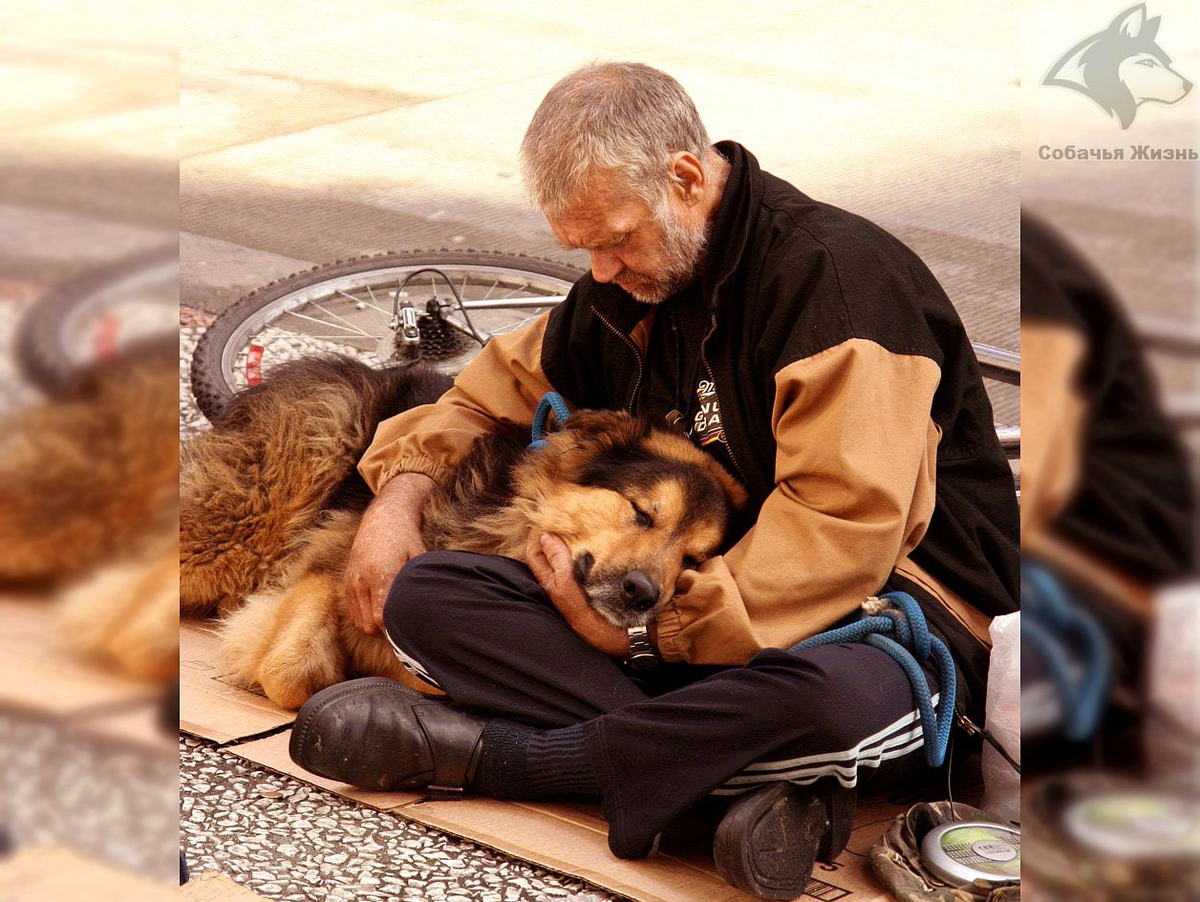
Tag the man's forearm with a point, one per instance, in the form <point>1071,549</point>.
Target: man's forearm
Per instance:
<point>404,495</point>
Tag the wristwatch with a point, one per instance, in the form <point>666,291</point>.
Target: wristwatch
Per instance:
<point>642,655</point>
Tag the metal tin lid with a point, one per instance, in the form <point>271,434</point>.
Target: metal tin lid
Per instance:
<point>1135,824</point>
<point>961,853</point>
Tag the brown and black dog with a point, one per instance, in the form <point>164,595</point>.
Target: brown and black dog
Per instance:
<point>271,502</point>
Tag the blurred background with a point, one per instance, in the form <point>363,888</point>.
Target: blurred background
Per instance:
<point>1110,689</point>
<point>88,447</point>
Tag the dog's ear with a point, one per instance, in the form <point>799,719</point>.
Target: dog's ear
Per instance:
<point>603,430</point>
<point>733,489</point>
<point>590,434</point>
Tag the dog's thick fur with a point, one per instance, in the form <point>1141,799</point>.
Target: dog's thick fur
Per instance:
<point>88,507</point>
<point>271,501</point>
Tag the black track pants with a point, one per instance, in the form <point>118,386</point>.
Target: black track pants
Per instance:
<point>481,628</point>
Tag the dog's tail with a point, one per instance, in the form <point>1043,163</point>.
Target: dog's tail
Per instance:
<point>277,456</point>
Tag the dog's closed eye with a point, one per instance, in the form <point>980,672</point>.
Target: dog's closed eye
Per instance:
<point>640,516</point>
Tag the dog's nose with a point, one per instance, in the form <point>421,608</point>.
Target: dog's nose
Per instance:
<point>639,591</point>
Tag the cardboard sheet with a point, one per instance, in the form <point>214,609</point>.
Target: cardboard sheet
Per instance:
<point>214,887</point>
<point>52,874</point>
<point>137,725</point>
<point>211,708</point>
<point>37,674</point>
<point>572,839</point>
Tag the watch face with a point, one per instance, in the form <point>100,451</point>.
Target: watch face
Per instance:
<point>643,660</point>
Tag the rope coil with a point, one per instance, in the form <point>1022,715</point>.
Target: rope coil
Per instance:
<point>1071,646</point>
<point>909,643</point>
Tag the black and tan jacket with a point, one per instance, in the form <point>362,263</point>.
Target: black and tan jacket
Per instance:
<point>853,411</point>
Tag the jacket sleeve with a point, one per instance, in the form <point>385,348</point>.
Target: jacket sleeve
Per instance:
<point>1052,416</point>
<point>503,384</point>
<point>854,470</point>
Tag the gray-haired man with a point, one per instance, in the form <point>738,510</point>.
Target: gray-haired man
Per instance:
<point>816,358</point>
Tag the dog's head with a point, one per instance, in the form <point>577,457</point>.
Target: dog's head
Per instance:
<point>635,504</point>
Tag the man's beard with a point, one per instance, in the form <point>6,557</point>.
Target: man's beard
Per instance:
<point>682,256</point>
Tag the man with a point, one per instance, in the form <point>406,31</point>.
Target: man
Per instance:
<point>814,356</point>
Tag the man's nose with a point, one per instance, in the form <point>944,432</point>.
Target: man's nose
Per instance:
<point>605,266</point>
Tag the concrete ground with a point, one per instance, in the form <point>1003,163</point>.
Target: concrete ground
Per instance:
<point>353,128</point>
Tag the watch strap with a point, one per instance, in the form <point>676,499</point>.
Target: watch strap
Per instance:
<point>642,655</point>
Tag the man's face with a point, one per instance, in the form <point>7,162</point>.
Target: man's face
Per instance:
<point>649,259</point>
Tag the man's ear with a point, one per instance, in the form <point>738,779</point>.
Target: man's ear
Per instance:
<point>688,178</point>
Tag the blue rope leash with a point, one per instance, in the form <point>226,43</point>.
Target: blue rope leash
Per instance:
<point>1060,633</point>
<point>910,642</point>
<point>551,401</point>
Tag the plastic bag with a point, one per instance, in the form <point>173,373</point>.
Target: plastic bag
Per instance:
<point>1002,784</point>
<point>1172,749</point>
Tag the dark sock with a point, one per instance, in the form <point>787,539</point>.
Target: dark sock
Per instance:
<point>521,762</point>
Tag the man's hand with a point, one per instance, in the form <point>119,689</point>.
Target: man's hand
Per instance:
<point>550,560</point>
<point>389,536</point>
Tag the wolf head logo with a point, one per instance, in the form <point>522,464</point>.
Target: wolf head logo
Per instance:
<point>1121,67</point>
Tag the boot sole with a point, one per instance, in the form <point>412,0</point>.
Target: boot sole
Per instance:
<point>768,840</point>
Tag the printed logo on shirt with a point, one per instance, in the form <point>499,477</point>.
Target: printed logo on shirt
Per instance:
<point>706,425</point>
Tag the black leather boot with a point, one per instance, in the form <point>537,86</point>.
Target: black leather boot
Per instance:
<point>375,733</point>
<point>769,839</point>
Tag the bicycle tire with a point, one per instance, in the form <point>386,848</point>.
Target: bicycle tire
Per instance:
<point>211,386</point>
<point>212,390</point>
<point>43,337</point>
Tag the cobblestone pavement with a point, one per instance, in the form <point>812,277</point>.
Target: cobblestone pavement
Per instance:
<point>288,840</point>
<point>108,800</point>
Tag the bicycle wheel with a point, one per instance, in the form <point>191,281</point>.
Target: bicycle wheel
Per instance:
<point>348,308</point>
<point>98,315</point>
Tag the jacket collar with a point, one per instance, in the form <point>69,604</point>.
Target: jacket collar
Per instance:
<point>731,229</point>
<point>727,243</point>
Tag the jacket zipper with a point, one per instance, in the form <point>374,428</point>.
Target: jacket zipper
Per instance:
<point>711,378</point>
<point>637,383</point>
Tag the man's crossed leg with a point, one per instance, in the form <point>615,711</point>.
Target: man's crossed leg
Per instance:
<point>538,713</point>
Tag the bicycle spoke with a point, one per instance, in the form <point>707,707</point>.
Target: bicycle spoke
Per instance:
<point>321,322</point>
<point>356,328</point>
<point>498,299</point>
<point>387,316</point>
<point>516,325</point>
<point>339,337</point>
